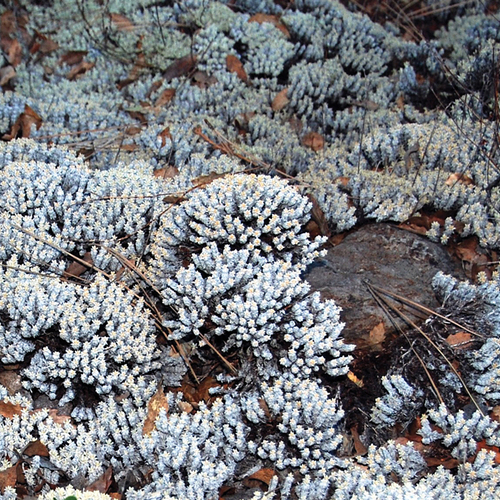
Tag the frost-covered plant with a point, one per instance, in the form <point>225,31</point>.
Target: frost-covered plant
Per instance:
<point>398,402</point>
<point>461,431</point>
<point>97,336</point>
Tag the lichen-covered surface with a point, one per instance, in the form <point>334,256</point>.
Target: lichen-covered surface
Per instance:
<point>169,174</point>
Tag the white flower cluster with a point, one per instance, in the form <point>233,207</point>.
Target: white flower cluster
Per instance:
<point>397,404</point>
<point>461,431</point>
<point>263,214</point>
<point>98,336</point>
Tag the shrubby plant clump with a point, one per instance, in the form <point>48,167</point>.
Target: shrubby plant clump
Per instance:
<point>155,221</point>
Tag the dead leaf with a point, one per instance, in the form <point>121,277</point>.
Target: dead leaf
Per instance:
<point>72,57</point>
<point>185,406</point>
<point>460,178</point>
<point>270,18</point>
<point>203,80</point>
<point>11,380</point>
<point>377,334</point>
<point>318,216</point>
<point>280,101</point>
<point>75,269</point>
<point>8,477</point>
<point>264,475</point>
<point>165,97</point>
<point>458,339</point>
<point>121,22</point>
<point>102,483</point>
<point>168,172</point>
<point>360,448</point>
<point>59,418</point>
<point>353,378</point>
<point>234,65</point>
<point>155,404</point>
<point>36,448</point>
<point>173,198</point>
<point>203,180</point>
<point>314,141</point>
<point>180,67</point>
<point>467,249</point>
<point>79,70</point>
<point>495,413</point>
<point>13,50</point>
<point>23,124</point>
<point>6,74</point>
<point>47,45</point>
<point>164,135</point>
<point>9,410</point>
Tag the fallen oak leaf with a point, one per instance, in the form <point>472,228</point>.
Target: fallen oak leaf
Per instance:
<point>165,97</point>
<point>203,180</point>
<point>79,70</point>
<point>102,483</point>
<point>36,448</point>
<point>6,74</point>
<point>122,22</point>
<point>314,141</point>
<point>281,100</point>
<point>234,65</point>
<point>72,57</point>
<point>75,269</point>
<point>9,410</point>
<point>8,477</point>
<point>180,67</point>
<point>167,172</point>
<point>459,339</point>
<point>271,19</point>
<point>27,119</point>
<point>155,405</point>
<point>264,475</point>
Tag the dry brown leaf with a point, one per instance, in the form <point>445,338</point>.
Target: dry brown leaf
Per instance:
<point>7,23</point>
<point>203,180</point>
<point>11,380</point>
<point>495,413</point>
<point>12,49</point>
<point>460,178</point>
<point>172,198</point>
<point>121,22</point>
<point>72,57</point>
<point>280,101</point>
<point>203,80</point>
<point>467,249</point>
<point>314,141</point>
<point>180,67</point>
<point>36,448</point>
<point>164,135</point>
<point>167,172</point>
<point>234,65</point>
<point>360,448</point>
<point>75,269</point>
<point>58,418</point>
<point>318,216</point>
<point>264,475</point>
<point>8,477</point>
<point>272,19</point>
<point>354,379</point>
<point>155,404</point>
<point>6,74</point>
<point>23,124</point>
<point>165,97</point>
<point>185,406</point>
<point>458,339</point>
<point>9,410</point>
<point>47,45</point>
<point>377,334</point>
<point>79,70</point>
<point>102,483</point>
